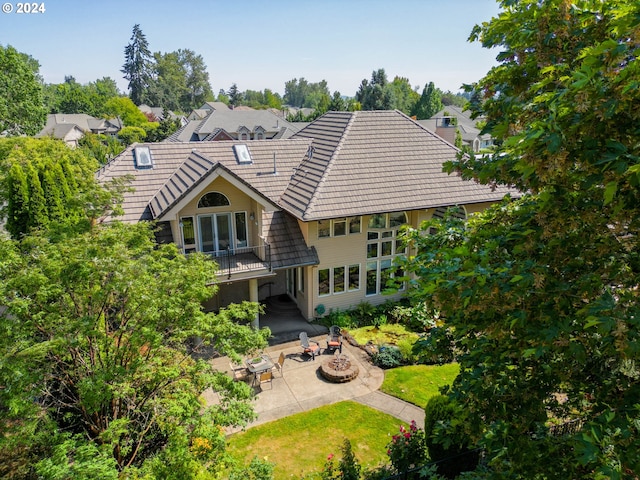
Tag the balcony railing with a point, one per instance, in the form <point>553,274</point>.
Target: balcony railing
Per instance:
<point>243,260</point>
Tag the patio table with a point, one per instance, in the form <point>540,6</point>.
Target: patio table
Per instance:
<point>258,365</point>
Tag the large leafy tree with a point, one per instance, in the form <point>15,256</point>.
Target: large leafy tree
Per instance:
<point>72,97</point>
<point>137,58</point>
<point>22,110</point>
<point>376,94</point>
<point>541,294</point>
<point>97,343</point>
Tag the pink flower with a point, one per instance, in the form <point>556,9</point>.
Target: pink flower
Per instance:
<point>330,457</point>
<point>407,435</point>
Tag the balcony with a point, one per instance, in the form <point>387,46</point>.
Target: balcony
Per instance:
<point>244,261</point>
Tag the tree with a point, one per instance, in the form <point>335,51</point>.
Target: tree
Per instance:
<point>22,110</point>
<point>301,93</point>
<point>542,292</point>
<point>126,110</point>
<point>429,103</point>
<point>235,96</point>
<point>198,88</point>
<point>95,344</point>
<point>405,96</point>
<point>136,64</point>
<point>337,103</point>
<point>71,97</point>
<point>377,94</point>
<point>43,183</point>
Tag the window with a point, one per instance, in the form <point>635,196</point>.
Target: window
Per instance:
<point>354,225</point>
<point>241,230</point>
<point>339,227</point>
<point>383,247</point>
<point>324,288</point>
<point>338,279</point>
<point>142,157</point>
<point>213,199</point>
<point>188,234</point>
<point>378,221</point>
<point>354,277</point>
<point>301,271</point>
<point>324,228</point>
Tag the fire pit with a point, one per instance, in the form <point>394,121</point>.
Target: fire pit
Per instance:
<point>338,369</point>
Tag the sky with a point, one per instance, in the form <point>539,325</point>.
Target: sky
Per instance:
<point>259,44</point>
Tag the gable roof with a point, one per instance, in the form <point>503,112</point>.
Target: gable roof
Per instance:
<point>342,164</point>
<point>178,169</point>
<point>375,161</point>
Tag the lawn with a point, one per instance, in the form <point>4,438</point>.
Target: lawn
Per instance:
<point>299,444</point>
<point>389,334</point>
<point>418,383</point>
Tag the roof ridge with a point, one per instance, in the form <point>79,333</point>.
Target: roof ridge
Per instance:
<point>336,150</point>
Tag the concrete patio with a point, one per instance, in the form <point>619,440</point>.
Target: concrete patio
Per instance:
<point>300,387</point>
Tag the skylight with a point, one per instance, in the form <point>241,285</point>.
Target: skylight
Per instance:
<point>142,157</point>
<point>243,156</point>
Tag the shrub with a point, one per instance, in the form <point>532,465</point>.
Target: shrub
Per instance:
<point>405,346</point>
<point>445,437</point>
<point>363,313</point>
<point>388,357</point>
<point>407,449</point>
<point>348,468</point>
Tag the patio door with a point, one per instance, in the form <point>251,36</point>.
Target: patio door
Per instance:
<point>215,233</point>
<point>292,281</point>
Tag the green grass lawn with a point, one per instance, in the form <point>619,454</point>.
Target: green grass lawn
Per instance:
<point>385,334</point>
<point>300,444</point>
<point>418,383</point>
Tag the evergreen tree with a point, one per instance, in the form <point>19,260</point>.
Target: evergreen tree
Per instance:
<point>235,96</point>
<point>17,201</point>
<point>38,215</point>
<point>136,65</point>
<point>429,104</point>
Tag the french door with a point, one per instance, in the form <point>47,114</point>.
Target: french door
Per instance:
<point>215,233</point>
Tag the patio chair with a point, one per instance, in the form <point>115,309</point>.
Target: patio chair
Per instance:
<point>266,377</point>
<point>334,339</point>
<point>309,346</point>
<point>279,364</point>
<point>238,371</point>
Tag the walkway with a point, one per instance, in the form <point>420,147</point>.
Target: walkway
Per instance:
<point>301,387</point>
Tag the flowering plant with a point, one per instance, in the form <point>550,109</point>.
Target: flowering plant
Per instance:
<point>407,449</point>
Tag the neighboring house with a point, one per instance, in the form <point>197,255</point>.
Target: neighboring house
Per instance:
<point>450,119</point>
<point>158,114</point>
<point>205,109</point>
<point>315,216</point>
<point>238,124</point>
<point>71,127</point>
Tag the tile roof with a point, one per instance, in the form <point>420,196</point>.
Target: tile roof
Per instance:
<point>375,161</point>
<point>179,167</point>
<point>343,164</point>
<point>288,247</point>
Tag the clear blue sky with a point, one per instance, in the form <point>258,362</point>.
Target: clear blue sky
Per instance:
<point>261,44</point>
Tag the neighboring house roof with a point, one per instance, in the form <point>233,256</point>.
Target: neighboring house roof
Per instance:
<point>59,122</point>
<point>375,161</point>
<point>343,164</point>
<point>233,122</point>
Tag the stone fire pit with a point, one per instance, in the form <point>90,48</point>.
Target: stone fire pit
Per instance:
<point>338,369</point>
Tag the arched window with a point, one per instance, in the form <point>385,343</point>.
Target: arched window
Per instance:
<point>457,211</point>
<point>213,199</point>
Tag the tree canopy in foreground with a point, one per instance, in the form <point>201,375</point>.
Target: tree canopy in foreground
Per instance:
<point>541,293</point>
<point>97,375</point>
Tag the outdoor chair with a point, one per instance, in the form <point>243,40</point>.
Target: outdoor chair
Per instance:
<point>279,364</point>
<point>309,346</point>
<point>266,377</point>
<point>239,372</point>
<point>334,339</point>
